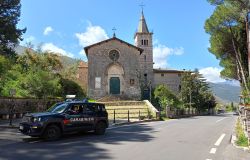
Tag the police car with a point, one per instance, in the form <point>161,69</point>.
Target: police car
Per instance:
<point>66,117</point>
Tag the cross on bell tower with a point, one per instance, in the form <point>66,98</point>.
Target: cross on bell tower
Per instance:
<point>142,6</point>
<point>114,29</point>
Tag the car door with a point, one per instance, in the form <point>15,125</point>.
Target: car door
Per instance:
<point>88,115</point>
<point>74,118</point>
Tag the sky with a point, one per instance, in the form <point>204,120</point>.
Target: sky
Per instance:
<point>67,26</point>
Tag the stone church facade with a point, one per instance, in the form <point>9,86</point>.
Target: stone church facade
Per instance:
<point>116,67</point>
<point>113,68</point>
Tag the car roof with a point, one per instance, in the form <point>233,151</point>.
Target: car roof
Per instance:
<point>73,102</point>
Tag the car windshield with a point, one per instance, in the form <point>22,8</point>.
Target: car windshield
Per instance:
<point>58,108</point>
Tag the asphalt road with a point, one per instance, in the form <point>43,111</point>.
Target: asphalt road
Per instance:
<point>195,138</point>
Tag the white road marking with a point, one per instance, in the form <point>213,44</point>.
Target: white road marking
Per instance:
<point>217,143</point>
<point>208,159</point>
<point>220,119</point>
<point>213,150</point>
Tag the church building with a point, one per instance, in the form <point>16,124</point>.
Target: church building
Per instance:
<point>116,67</point>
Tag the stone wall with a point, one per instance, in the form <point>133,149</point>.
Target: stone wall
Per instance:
<point>179,113</point>
<point>146,58</point>
<point>23,105</point>
<point>82,75</point>
<point>247,123</point>
<point>171,80</point>
<point>99,64</point>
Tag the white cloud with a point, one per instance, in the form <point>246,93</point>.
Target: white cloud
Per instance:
<point>161,53</point>
<point>50,47</point>
<point>212,74</point>
<point>30,39</point>
<point>47,30</point>
<point>93,34</point>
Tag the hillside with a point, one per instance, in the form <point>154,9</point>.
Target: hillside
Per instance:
<point>66,61</point>
<point>225,93</point>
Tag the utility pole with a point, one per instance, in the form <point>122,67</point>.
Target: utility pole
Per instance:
<point>190,98</point>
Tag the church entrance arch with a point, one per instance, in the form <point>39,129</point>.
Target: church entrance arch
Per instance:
<point>115,79</point>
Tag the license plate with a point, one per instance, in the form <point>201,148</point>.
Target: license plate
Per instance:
<point>21,127</point>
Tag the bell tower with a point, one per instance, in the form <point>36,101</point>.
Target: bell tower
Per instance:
<point>143,39</point>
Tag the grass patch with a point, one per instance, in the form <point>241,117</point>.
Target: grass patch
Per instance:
<point>242,140</point>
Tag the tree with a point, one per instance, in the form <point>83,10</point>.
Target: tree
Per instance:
<point>166,97</point>
<point>4,65</point>
<point>13,79</point>
<point>69,87</point>
<point>9,17</point>
<point>42,84</point>
<point>195,91</point>
<point>227,27</point>
<point>40,60</point>
<point>33,75</point>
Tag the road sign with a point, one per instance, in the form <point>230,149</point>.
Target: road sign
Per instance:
<point>12,92</point>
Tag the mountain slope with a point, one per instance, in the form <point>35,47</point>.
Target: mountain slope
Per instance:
<point>225,92</point>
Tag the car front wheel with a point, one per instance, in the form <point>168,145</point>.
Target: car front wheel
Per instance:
<point>52,133</point>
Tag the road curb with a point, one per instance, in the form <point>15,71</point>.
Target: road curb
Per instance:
<point>113,125</point>
<point>135,122</point>
<point>233,140</point>
<point>9,127</point>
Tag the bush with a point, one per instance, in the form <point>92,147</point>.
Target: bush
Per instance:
<point>242,140</point>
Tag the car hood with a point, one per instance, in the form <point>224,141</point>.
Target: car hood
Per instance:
<point>42,114</point>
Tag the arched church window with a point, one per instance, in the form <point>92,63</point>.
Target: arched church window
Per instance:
<point>114,55</point>
<point>142,42</point>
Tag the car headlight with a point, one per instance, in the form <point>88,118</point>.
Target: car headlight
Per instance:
<point>37,119</point>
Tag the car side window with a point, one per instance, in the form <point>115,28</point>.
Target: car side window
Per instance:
<point>87,108</point>
<point>75,109</point>
<point>99,107</point>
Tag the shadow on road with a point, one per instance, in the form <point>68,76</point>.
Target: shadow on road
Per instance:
<point>77,146</point>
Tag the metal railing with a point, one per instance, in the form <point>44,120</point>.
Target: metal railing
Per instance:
<point>116,115</point>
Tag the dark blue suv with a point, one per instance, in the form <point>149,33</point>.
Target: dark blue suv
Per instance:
<point>66,117</point>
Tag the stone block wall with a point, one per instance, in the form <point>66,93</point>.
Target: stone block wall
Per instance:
<point>247,123</point>
<point>82,75</point>
<point>23,105</point>
<point>99,65</point>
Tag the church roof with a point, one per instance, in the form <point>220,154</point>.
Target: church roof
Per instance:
<point>167,71</point>
<point>110,39</point>
<point>83,64</point>
<point>142,27</point>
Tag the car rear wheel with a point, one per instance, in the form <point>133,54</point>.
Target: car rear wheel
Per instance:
<point>100,128</point>
<point>52,133</point>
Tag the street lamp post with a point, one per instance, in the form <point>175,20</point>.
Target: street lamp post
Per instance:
<point>150,89</point>
<point>190,98</point>
<point>190,92</point>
